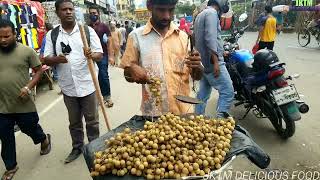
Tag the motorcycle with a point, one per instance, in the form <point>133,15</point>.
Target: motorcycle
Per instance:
<point>261,85</point>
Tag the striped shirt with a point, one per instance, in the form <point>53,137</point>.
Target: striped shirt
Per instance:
<point>162,57</point>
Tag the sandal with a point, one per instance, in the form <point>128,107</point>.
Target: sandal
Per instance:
<point>8,175</point>
<point>108,103</point>
<point>46,150</point>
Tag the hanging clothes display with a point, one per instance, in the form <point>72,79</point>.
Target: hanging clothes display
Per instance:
<point>34,36</point>
<point>28,19</point>
<point>23,36</point>
<point>12,15</point>
<point>39,13</point>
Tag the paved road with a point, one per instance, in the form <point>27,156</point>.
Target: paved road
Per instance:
<point>301,152</point>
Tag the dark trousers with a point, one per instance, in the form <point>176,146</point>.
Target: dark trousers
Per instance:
<point>77,108</point>
<point>104,76</point>
<point>268,45</point>
<point>123,48</point>
<point>28,124</point>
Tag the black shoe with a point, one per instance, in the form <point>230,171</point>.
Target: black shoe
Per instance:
<point>75,153</point>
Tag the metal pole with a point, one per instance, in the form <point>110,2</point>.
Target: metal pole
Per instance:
<point>245,6</point>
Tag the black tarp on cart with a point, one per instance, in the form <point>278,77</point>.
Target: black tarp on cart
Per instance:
<point>241,144</point>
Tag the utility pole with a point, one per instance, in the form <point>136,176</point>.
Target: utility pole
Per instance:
<point>245,6</point>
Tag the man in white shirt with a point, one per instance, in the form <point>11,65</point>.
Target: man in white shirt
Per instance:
<point>74,79</point>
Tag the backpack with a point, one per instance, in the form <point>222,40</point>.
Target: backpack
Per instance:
<point>261,20</point>
<point>226,21</point>
<point>55,33</point>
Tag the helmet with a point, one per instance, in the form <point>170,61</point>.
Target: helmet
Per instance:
<point>222,4</point>
<point>263,58</point>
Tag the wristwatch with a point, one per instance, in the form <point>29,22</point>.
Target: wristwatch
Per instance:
<point>29,91</point>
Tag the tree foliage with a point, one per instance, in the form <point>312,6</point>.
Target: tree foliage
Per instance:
<point>185,9</point>
<point>239,8</point>
<point>132,8</point>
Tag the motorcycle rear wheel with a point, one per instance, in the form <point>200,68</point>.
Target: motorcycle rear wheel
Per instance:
<point>284,126</point>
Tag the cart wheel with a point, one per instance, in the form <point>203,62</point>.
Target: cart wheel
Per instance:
<point>304,37</point>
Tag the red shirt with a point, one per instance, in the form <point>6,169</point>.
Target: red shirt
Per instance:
<point>102,29</point>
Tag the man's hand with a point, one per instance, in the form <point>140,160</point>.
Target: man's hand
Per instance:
<point>194,60</point>
<point>194,63</point>
<point>62,58</point>
<point>137,74</point>
<point>87,53</point>
<point>216,70</point>
<point>226,53</point>
<point>216,67</point>
<point>23,92</point>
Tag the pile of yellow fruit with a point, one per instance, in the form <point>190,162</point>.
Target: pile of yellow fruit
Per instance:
<point>171,147</point>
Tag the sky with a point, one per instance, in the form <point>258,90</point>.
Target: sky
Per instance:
<point>140,4</point>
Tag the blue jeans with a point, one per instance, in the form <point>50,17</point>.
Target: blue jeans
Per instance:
<point>55,73</point>
<point>224,86</point>
<point>104,77</point>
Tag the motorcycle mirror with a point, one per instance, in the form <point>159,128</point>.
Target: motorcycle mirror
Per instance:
<point>241,31</point>
<point>243,17</point>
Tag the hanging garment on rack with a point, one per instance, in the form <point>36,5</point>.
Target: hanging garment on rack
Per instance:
<point>23,18</point>
<point>27,16</point>
<point>23,35</point>
<point>34,35</point>
<point>35,21</point>
<point>12,15</point>
<point>34,10</point>
<point>29,10</point>
<point>18,19</point>
<point>30,17</point>
<point>29,38</point>
<point>23,9</point>
<point>23,14</point>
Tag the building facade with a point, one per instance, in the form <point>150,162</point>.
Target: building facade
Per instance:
<point>123,6</point>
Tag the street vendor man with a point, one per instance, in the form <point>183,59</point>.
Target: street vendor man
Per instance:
<point>159,50</point>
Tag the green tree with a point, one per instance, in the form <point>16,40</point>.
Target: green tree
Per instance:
<point>185,9</point>
<point>132,8</point>
<point>239,8</point>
